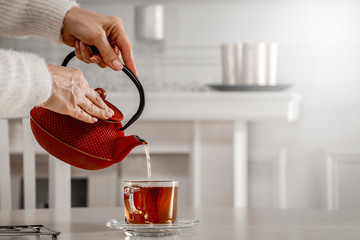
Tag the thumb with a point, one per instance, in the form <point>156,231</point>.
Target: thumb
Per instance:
<point>108,54</point>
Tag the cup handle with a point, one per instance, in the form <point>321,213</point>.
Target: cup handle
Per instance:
<point>130,205</point>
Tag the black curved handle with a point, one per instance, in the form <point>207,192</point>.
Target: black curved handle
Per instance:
<point>133,78</point>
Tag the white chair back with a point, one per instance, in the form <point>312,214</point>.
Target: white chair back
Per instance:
<point>59,172</point>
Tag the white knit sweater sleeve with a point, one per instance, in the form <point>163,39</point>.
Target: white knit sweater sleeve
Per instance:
<point>33,17</point>
<point>24,78</point>
<point>24,81</point>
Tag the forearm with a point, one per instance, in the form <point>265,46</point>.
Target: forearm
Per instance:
<point>33,17</point>
<point>24,81</point>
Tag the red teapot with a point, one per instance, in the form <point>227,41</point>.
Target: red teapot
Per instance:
<point>88,146</point>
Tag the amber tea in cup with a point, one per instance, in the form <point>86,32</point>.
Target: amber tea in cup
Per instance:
<point>148,202</point>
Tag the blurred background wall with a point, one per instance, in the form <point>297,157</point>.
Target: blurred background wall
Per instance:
<point>319,53</point>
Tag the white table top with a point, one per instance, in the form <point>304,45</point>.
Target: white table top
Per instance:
<point>224,106</point>
<point>249,106</point>
<point>215,223</point>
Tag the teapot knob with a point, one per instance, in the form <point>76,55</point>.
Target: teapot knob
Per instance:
<point>101,92</point>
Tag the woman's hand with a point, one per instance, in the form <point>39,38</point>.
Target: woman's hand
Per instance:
<point>72,95</point>
<point>106,33</point>
<point>85,54</point>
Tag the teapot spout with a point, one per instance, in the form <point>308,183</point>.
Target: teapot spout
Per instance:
<point>124,145</point>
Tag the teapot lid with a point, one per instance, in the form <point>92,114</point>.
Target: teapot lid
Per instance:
<point>118,116</point>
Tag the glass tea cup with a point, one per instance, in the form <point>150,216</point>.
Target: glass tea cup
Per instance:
<point>150,202</point>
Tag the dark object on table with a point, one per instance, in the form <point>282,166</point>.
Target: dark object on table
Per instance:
<point>28,230</point>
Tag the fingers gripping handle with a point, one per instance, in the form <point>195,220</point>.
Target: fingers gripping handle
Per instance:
<point>133,78</point>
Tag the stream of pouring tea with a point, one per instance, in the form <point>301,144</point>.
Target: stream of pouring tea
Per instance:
<point>148,161</point>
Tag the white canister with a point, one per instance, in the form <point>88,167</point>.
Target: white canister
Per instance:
<point>260,63</point>
<point>232,63</point>
<point>250,63</point>
<point>149,22</point>
<point>228,60</point>
<point>238,56</point>
<point>272,50</point>
<point>248,74</point>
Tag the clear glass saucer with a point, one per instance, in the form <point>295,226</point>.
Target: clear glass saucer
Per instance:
<point>152,230</point>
